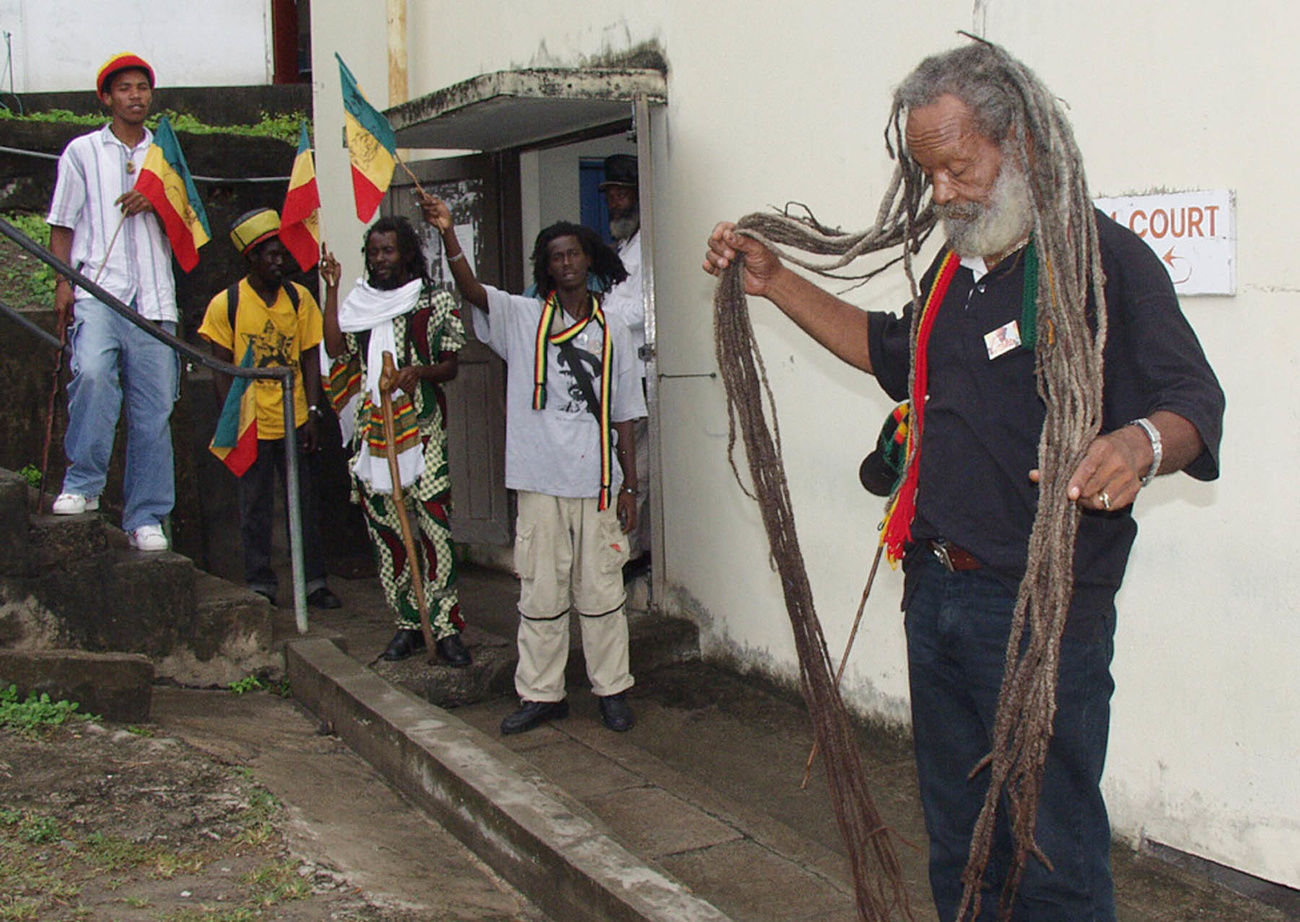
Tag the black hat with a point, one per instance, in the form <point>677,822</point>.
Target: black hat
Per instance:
<point>620,170</point>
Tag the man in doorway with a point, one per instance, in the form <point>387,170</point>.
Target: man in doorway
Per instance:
<point>104,227</point>
<point>571,385</point>
<point>626,300</point>
<point>397,309</point>
<point>264,320</point>
<point>990,145</point>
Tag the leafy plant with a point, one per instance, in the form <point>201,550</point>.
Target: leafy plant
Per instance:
<point>284,126</point>
<point>247,684</point>
<point>24,275</point>
<point>32,474</point>
<point>37,713</point>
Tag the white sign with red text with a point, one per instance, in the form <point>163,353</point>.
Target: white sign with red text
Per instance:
<point>1193,233</point>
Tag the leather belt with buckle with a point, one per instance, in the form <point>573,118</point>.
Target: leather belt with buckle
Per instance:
<point>954,557</point>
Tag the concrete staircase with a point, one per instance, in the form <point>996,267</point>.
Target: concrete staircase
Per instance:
<point>72,584</point>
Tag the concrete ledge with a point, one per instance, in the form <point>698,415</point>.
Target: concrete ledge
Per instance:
<point>116,686</point>
<point>531,832</point>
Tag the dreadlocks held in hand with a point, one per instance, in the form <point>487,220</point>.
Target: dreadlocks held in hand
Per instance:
<point>984,148</point>
<point>605,264</point>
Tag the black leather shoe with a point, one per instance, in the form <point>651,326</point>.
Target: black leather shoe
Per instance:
<point>452,651</point>
<point>404,643</point>
<point>617,713</point>
<point>533,714</point>
<point>638,566</point>
<point>323,598</point>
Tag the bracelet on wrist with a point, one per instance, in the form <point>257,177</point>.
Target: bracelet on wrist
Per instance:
<point>626,489</point>
<point>1157,448</point>
<point>458,256</point>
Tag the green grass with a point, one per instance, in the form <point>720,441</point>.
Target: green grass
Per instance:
<point>277,883</point>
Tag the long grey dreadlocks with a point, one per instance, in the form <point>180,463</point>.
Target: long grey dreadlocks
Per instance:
<point>1013,108</point>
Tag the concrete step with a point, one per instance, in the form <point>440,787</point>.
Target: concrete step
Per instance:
<point>539,838</point>
<point>228,636</point>
<point>114,686</point>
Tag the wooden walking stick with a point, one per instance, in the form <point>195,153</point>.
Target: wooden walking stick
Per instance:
<point>408,535</point>
<point>848,647</point>
<point>50,409</point>
<point>58,374</point>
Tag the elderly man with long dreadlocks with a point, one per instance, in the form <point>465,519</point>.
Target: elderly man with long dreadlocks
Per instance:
<point>397,310</point>
<point>1051,376</point>
<point>572,384</point>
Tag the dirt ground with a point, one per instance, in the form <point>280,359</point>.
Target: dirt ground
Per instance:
<point>103,822</point>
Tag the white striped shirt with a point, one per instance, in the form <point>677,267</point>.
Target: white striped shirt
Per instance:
<point>93,174</point>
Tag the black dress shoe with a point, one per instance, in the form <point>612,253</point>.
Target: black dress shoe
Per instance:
<point>452,651</point>
<point>323,598</point>
<point>404,643</point>
<point>617,713</point>
<point>638,566</point>
<point>533,714</point>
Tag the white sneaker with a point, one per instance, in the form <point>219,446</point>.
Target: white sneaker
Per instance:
<point>74,504</point>
<point>149,538</point>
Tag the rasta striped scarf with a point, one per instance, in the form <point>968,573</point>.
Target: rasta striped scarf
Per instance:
<point>546,338</point>
<point>896,530</point>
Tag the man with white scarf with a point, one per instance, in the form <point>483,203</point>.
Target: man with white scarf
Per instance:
<point>397,310</point>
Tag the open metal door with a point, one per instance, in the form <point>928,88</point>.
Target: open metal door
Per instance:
<point>472,188</point>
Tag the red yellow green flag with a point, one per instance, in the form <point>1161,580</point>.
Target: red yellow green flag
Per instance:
<point>166,182</point>
<point>300,216</point>
<point>235,441</point>
<point>372,146</point>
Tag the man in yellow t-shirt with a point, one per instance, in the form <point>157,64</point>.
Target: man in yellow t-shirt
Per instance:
<point>280,322</point>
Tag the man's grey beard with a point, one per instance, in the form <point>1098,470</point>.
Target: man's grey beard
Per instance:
<point>984,230</point>
<point>624,226</point>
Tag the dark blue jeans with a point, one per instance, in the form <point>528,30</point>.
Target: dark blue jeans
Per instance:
<point>257,510</point>
<point>958,624</point>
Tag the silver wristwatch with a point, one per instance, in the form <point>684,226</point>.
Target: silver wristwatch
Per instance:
<point>1157,448</point>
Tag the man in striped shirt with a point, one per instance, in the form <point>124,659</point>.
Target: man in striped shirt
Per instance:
<point>102,226</point>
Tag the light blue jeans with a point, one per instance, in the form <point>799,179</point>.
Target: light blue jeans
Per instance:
<point>112,359</point>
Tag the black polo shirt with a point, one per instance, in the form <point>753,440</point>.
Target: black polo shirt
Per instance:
<point>984,416</point>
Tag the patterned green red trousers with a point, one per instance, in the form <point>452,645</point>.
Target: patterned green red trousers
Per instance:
<point>437,562</point>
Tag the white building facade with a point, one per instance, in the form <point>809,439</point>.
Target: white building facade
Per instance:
<point>55,45</point>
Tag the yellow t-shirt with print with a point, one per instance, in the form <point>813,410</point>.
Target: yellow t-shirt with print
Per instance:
<point>278,336</point>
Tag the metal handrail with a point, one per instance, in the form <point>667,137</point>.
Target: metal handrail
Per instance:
<point>284,373</point>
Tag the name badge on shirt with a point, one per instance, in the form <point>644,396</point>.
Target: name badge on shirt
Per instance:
<point>1002,340</point>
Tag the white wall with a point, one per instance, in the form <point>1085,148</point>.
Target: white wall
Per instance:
<point>769,103</point>
<point>61,44</point>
